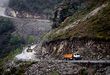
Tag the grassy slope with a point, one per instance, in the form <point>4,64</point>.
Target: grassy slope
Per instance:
<point>97,26</point>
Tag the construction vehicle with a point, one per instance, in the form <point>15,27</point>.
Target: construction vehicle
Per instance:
<point>72,56</point>
<point>29,49</point>
<point>68,53</point>
<point>68,56</point>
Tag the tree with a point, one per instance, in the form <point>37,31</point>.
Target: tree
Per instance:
<point>15,40</point>
<point>31,39</point>
<point>5,25</point>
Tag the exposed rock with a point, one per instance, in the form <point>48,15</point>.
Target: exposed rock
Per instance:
<point>88,49</point>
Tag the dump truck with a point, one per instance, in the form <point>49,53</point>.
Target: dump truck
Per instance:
<point>72,56</point>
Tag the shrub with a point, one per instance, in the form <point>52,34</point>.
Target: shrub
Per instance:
<point>5,25</point>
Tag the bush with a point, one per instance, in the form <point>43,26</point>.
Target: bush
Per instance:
<point>14,40</point>
<point>5,25</point>
<point>31,39</point>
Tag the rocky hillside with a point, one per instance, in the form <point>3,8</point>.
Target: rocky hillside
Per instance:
<point>89,49</point>
<point>84,31</point>
<point>80,27</point>
<point>93,23</point>
<point>32,8</point>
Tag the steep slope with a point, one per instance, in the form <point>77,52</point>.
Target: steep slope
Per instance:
<point>86,33</point>
<point>77,8</point>
<point>95,24</point>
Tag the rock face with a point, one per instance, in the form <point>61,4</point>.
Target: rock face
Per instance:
<point>88,49</point>
<point>32,9</point>
<point>70,7</point>
<point>65,9</point>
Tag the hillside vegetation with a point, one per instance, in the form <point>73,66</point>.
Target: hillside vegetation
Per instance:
<point>8,41</point>
<point>90,23</point>
<point>10,44</point>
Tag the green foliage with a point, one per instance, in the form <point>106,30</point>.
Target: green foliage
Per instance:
<point>5,25</point>
<point>10,56</point>
<point>10,45</point>
<point>74,9</point>
<point>97,26</point>
<point>31,39</point>
<point>8,42</point>
<point>14,40</point>
<point>100,24</point>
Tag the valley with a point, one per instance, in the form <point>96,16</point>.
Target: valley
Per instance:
<point>38,40</point>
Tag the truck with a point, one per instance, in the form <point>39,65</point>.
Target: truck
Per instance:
<point>71,56</point>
